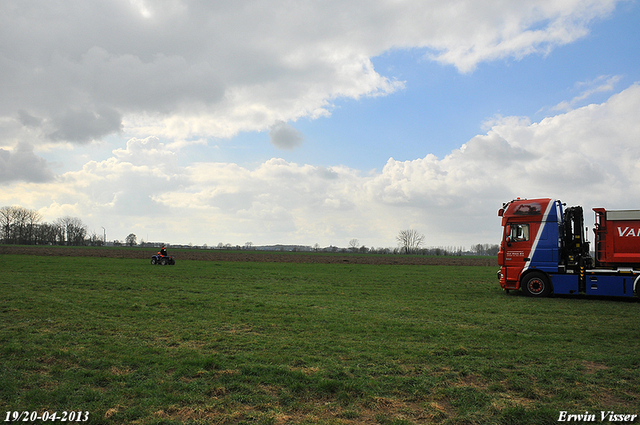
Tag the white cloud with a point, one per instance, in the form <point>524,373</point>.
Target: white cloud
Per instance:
<point>165,73</point>
<point>494,30</point>
<point>148,151</point>
<point>179,70</point>
<point>588,156</point>
<point>601,84</point>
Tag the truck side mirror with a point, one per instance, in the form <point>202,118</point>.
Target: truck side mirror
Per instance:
<point>500,212</point>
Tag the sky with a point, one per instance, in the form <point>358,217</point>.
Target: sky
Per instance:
<point>316,121</point>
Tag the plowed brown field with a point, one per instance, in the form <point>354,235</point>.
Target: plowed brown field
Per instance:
<point>258,256</point>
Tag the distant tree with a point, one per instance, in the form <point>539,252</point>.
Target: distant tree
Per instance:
<point>131,239</point>
<point>316,247</point>
<point>354,244</point>
<point>248,245</point>
<point>71,230</point>
<point>18,225</point>
<point>95,240</point>
<point>19,220</point>
<point>46,234</point>
<point>33,217</point>
<point>6,220</point>
<point>485,249</point>
<point>409,240</point>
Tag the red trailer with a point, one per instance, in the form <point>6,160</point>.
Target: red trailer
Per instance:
<point>617,238</point>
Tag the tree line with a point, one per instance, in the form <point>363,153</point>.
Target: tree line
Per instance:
<point>410,241</point>
<point>23,226</point>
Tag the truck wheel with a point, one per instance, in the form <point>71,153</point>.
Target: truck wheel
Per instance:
<point>536,285</point>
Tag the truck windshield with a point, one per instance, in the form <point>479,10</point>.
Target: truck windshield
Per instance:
<point>518,232</point>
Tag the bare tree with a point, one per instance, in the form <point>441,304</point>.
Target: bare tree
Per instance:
<point>94,240</point>
<point>409,240</point>
<point>6,220</point>
<point>131,239</point>
<point>18,224</point>
<point>72,230</point>
<point>45,234</point>
<point>493,249</point>
<point>33,218</point>
<point>354,244</point>
<point>485,249</point>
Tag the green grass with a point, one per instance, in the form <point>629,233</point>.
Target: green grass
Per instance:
<point>275,343</point>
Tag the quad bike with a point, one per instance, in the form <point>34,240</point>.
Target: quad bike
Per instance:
<point>163,260</point>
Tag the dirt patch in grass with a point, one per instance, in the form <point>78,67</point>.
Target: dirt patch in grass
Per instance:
<point>593,367</point>
<point>250,256</point>
<point>383,411</point>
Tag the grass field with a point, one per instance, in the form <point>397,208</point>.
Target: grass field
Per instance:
<point>279,343</point>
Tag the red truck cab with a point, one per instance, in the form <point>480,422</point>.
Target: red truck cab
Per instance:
<point>529,226</point>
